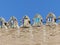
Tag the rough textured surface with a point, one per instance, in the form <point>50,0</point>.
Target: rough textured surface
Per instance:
<point>44,35</point>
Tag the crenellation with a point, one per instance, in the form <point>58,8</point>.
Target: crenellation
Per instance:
<point>37,33</point>
<point>25,22</point>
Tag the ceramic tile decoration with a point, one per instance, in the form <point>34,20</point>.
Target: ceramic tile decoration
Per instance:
<point>37,20</point>
<point>26,21</point>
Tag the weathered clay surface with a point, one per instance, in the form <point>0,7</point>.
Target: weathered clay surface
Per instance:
<point>44,35</point>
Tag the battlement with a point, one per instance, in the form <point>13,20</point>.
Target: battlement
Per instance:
<point>12,25</point>
<point>25,21</point>
<point>37,33</point>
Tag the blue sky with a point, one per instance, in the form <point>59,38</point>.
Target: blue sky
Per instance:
<point>19,8</point>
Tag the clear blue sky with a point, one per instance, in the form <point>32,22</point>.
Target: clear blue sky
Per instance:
<point>19,8</point>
